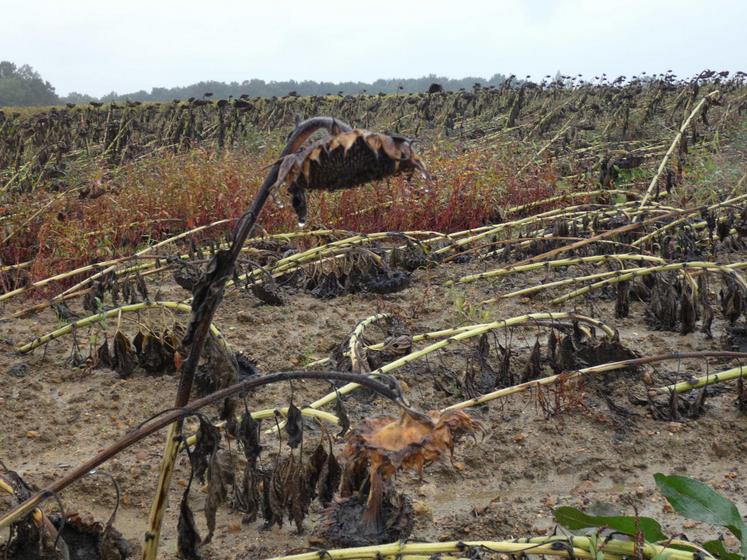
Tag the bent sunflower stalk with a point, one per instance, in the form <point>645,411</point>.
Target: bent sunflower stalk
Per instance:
<point>346,159</point>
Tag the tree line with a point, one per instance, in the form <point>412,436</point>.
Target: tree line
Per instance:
<point>23,86</point>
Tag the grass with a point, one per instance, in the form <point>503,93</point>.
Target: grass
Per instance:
<point>153,198</point>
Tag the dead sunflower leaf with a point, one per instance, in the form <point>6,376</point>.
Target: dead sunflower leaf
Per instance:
<point>294,426</point>
<point>533,368</point>
<point>123,360</point>
<point>208,438</point>
<point>188,539</point>
<point>248,434</point>
<point>342,415</point>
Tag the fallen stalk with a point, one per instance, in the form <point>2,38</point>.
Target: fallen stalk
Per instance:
<point>520,242</point>
<point>565,196</point>
<point>505,271</point>
<point>675,142</point>
<point>549,285</point>
<point>444,333</point>
<point>271,413</point>
<point>469,236</point>
<point>604,235</point>
<point>145,251</point>
<point>92,319</point>
<point>573,547</point>
<point>467,333</point>
<point>710,379</point>
<point>111,265</point>
<point>624,276</point>
<point>132,275</point>
<point>357,355</point>
<point>602,368</point>
<point>638,242</point>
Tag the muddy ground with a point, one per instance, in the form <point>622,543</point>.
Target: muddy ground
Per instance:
<point>592,454</point>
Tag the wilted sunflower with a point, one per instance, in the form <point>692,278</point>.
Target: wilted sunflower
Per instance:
<point>382,445</point>
<point>346,160</point>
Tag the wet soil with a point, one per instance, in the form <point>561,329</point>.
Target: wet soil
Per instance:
<point>591,454</point>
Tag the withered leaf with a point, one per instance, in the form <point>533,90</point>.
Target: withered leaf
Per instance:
<point>342,415</point>
<point>300,497</point>
<point>153,358</point>
<point>329,479</point>
<point>267,514</point>
<point>277,492</point>
<point>294,426</point>
<point>141,287</point>
<point>103,357</point>
<point>552,349</point>
<point>208,438</point>
<point>137,342</point>
<point>124,357</point>
<point>688,311</point>
<point>504,377</point>
<point>567,354</point>
<point>248,434</point>
<point>731,300</point>
<point>314,468</point>
<point>533,368</point>
<point>188,539</point>
<point>248,499</point>
<point>220,368</point>
<point>268,294</point>
<point>170,346</point>
<point>228,415</point>
<point>622,303</point>
<point>217,491</point>
<point>486,381</point>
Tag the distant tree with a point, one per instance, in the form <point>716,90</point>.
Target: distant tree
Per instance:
<point>23,86</point>
<point>75,97</point>
<point>259,88</point>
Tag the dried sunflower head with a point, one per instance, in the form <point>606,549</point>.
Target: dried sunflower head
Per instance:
<point>346,160</point>
<point>382,445</point>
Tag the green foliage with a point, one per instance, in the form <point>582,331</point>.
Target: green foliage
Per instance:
<point>574,519</point>
<point>688,497</point>
<point>23,86</point>
<point>698,501</point>
<point>717,548</point>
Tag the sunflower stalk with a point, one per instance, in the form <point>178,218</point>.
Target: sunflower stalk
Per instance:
<point>624,276</point>
<point>574,547</point>
<point>675,143</point>
<point>602,368</point>
<point>556,263</point>
<point>116,312</point>
<point>372,156</point>
<point>705,381</point>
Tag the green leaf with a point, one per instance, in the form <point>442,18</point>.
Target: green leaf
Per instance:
<point>717,549</point>
<point>699,501</point>
<point>573,519</point>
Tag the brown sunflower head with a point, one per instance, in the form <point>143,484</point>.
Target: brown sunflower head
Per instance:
<point>344,161</point>
<point>383,445</point>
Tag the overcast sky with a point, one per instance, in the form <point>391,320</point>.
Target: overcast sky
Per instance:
<point>100,46</point>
